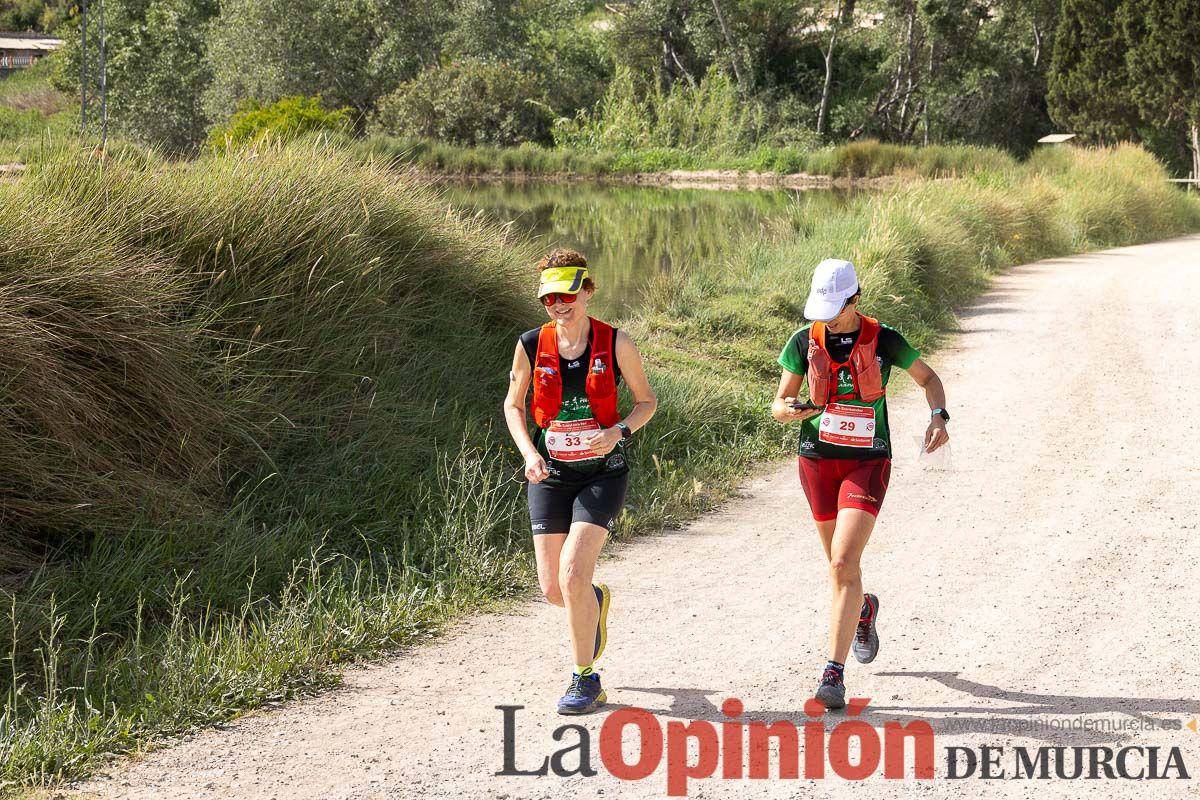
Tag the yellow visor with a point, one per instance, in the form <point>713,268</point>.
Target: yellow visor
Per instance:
<point>566,280</point>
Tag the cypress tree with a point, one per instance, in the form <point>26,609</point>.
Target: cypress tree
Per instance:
<point>1089,90</point>
<point>1163,63</point>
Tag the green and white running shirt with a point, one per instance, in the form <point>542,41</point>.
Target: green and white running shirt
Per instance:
<point>892,349</point>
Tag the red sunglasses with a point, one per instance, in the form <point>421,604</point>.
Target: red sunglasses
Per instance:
<point>558,297</point>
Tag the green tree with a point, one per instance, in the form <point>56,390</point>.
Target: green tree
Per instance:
<point>987,81</point>
<point>567,54</point>
<point>1164,65</point>
<point>1089,89</point>
<point>469,102</point>
<point>410,34</point>
<point>32,15</point>
<point>488,30</point>
<point>551,40</point>
<point>679,40</point>
<point>263,50</point>
<point>156,69</point>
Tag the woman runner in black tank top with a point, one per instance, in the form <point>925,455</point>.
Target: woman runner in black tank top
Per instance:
<point>575,466</point>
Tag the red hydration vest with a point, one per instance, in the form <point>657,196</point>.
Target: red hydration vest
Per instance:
<point>601,382</point>
<point>864,369</point>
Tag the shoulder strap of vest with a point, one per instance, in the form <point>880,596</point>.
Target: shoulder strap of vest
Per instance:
<point>602,339</point>
<point>870,329</point>
<point>548,340</point>
<point>817,334</point>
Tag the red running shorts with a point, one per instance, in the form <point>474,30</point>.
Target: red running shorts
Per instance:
<point>831,484</point>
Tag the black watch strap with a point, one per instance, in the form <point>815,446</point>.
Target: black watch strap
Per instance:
<point>626,433</point>
<point>941,412</point>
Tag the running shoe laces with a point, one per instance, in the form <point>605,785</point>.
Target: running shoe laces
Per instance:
<point>864,630</point>
<point>831,677</point>
<point>576,687</point>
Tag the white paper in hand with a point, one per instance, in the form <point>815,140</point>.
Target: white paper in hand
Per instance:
<point>939,459</point>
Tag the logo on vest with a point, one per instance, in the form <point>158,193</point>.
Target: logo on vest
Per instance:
<point>598,366</point>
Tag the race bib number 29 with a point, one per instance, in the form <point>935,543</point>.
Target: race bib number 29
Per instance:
<point>847,426</point>
<point>565,440</point>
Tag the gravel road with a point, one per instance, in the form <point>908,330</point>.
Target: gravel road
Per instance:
<point>1041,593</point>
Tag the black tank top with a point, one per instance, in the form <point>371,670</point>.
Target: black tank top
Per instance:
<point>574,374</point>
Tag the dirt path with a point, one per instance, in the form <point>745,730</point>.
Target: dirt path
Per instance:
<point>1050,579</point>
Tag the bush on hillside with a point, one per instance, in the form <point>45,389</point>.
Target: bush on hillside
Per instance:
<point>468,103</point>
<point>283,120</point>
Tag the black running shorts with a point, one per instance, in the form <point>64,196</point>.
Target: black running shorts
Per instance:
<point>553,507</point>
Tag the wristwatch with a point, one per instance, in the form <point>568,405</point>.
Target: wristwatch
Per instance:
<point>940,412</point>
<point>626,433</point>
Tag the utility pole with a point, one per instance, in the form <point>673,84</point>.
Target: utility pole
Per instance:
<point>103,87</point>
<point>83,87</point>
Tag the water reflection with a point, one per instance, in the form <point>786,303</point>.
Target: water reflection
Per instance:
<point>631,233</point>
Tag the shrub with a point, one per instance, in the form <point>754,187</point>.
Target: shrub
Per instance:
<point>470,102</point>
<point>710,117</point>
<point>284,120</point>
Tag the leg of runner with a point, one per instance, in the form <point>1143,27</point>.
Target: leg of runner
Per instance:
<point>844,540</point>
<point>853,529</point>
<point>547,548</point>
<point>577,564</point>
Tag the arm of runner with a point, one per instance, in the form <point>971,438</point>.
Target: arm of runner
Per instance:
<point>645,403</point>
<point>514,414</point>
<point>785,395</point>
<point>936,434</point>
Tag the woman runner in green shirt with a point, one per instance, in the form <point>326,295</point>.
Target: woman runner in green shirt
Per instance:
<point>845,451</point>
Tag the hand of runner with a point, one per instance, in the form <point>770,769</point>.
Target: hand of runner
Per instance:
<point>535,468</point>
<point>936,434</point>
<point>604,441</point>
<point>796,414</point>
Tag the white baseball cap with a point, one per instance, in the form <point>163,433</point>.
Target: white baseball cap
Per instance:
<point>833,282</point>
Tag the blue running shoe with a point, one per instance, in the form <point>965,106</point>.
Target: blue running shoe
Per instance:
<point>603,597</point>
<point>583,696</point>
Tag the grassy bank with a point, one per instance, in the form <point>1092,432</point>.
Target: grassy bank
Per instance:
<point>251,417</point>
<point>867,159</point>
<point>30,110</point>
<point>921,251</point>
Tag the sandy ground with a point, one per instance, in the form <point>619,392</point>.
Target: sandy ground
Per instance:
<point>1047,583</point>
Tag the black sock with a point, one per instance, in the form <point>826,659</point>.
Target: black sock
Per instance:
<point>837,667</point>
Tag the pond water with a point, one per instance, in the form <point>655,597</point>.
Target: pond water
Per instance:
<point>632,233</point>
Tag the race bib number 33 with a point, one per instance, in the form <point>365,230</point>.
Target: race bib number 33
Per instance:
<point>847,426</point>
<point>565,440</point>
